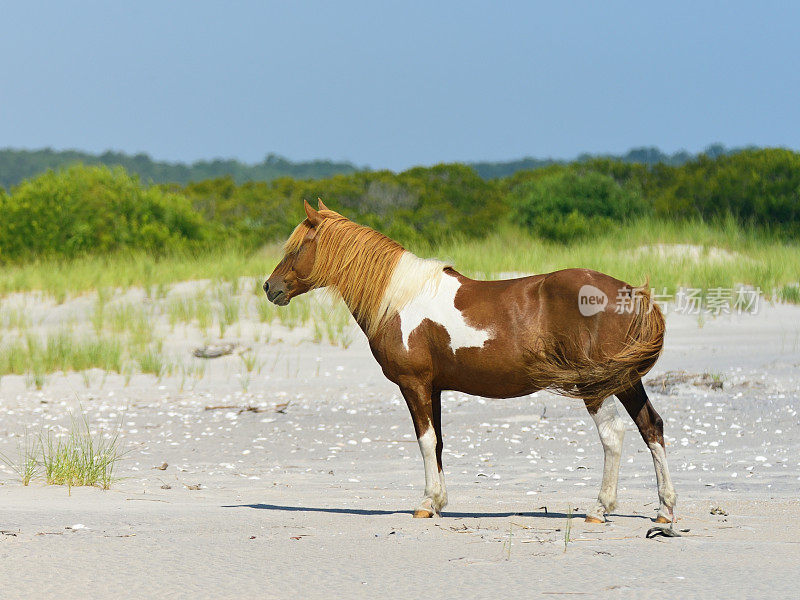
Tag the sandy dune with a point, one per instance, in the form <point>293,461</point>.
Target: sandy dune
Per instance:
<point>315,501</point>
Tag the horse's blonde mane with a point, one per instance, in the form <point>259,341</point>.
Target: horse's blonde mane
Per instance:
<point>356,261</point>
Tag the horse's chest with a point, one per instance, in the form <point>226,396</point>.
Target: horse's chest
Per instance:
<point>438,306</point>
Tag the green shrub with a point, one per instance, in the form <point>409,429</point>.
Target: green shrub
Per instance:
<point>756,187</point>
<point>250,214</point>
<point>93,210</point>
<point>567,204</point>
<point>421,205</point>
<point>99,211</point>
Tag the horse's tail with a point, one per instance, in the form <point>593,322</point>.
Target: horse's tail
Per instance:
<point>567,367</point>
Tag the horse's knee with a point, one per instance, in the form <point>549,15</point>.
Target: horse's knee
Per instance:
<point>608,498</point>
<point>669,496</point>
<point>658,423</point>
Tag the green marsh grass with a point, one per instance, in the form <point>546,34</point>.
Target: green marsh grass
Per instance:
<point>127,270</point>
<point>62,351</point>
<point>123,334</point>
<point>759,259</point>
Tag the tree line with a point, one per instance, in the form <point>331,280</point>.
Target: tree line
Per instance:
<point>19,165</point>
<point>96,209</point>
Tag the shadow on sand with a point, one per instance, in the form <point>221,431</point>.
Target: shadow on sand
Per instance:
<point>448,514</point>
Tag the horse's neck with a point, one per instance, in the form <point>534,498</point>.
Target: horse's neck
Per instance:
<point>410,278</point>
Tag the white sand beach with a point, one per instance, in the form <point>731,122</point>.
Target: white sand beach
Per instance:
<point>313,499</point>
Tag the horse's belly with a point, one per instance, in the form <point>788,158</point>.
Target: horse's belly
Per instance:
<point>492,381</point>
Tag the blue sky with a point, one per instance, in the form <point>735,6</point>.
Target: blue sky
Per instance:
<point>392,85</point>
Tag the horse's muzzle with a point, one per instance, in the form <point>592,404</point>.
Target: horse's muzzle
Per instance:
<point>279,297</point>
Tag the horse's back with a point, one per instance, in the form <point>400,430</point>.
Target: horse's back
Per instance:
<point>566,295</point>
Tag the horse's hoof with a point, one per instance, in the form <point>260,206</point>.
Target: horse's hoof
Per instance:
<point>593,520</point>
<point>662,519</point>
<point>422,513</point>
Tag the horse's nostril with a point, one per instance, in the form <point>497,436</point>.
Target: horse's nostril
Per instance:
<point>266,286</point>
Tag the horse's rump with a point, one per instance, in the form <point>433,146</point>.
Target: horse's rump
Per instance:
<point>572,365</point>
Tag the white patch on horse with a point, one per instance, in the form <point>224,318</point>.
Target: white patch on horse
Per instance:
<point>434,479</point>
<point>612,432</point>
<point>666,493</point>
<point>420,290</point>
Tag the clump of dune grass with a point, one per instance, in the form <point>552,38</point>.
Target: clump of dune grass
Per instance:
<point>181,310</point>
<point>99,314</point>
<point>134,321</point>
<point>203,312</point>
<point>228,314</point>
<point>568,527</point>
<point>81,457</point>
<point>194,369</point>
<point>296,313</point>
<point>251,362</point>
<point>151,360</point>
<point>266,310</point>
<point>507,543</point>
<point>36,378</point>
<point>790,293</point>
<point>26,466</point>
<point>158,291</point>
<point>14,318</point>
<point>197,369</point>
<point>338,326</point>
<point>318,328</point>
<point>245,379</point>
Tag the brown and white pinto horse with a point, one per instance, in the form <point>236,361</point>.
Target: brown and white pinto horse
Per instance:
<point>432,329</point>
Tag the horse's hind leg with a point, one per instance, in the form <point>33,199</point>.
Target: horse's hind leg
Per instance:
<point>651,427</point>
<point>425,407</point>
<point>612,431</point>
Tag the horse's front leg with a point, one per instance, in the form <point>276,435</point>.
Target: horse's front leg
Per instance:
<point>424,404</point>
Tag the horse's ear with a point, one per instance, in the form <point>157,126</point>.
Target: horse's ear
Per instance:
<point>321,205</point>
<point>313,216</point>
